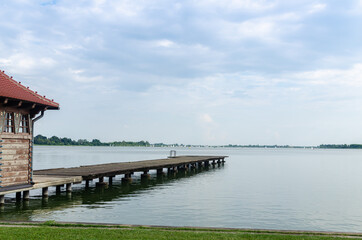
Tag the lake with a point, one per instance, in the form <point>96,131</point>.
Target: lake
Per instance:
<point>291,189</point>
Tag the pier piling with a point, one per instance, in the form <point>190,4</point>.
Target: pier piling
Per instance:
<point>58,189</point>
<point>145,175</point>
<point>45,192</point>
<point>160,172</point>
<point>101,182</point>
<point>2,200</point>
<point>26,195</point>
<point>110,180</point>
<point>127,178</point>
<point>18,196</point>
<point>69,187</point>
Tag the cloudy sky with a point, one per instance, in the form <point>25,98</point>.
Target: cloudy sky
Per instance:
<point>193,72</point>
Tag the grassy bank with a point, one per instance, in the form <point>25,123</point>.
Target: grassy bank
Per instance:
<point>52,230</point>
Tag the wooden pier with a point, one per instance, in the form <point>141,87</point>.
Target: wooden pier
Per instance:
<point>58,177</point>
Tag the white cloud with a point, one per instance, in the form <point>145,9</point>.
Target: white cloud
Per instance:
<point>206,118</point>
<point>262,30</point>
<point>351,77</point>
<point>128,8</point>
<point>237,5</point>
<point>164,43</point>
<point>21,62</point>
<point>317,8</point>
<point>356,8</point>
<point>269,29</point>
<point>79,75</point>
<point>76,71</point>
<point>243,90</point>
<point>359,3</point>
<point>118,12</point>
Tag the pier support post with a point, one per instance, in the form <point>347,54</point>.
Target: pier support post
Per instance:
<point>58,189</point>
<point>26,195</point>
<point>45,192</point>
<point>199,164</point>
<point>87,183</point>
<point>145,175</point>
<point>2,200</point>
<point>223,160</point>
<point>172,171</point>
<point>69,187</point>
<point>110,180</point>
<point>18,196</point>
<point>127,178</point>
<point>101,182</point>
<point>160,172</point>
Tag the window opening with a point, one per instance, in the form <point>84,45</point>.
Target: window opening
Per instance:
<point>9,123</point>
<point>24,124</point>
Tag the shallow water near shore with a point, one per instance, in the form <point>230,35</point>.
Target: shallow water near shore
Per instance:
<point>291,189</point>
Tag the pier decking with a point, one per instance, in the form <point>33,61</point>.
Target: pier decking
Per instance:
<point>111,169</point>
<point>67,176</point>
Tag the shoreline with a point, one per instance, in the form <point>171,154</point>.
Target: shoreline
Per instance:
<point>87,225</point>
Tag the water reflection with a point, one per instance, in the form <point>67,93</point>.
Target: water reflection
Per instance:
<point>94,197</point>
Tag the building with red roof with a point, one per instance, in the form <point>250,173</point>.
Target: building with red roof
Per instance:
<point>19,109</point>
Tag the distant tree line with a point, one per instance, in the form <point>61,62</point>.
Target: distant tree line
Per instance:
<point>353,146</point>
<point>42,140</point>
<point>257,146</point>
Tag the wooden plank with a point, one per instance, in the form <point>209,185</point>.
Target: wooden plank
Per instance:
<point>14,180</point>
<point>110,169</point>
<point>15,151</point>
<point>10,174</point>
<point>14,163</point>
<point>15,145</point>
<point>41,182</point>
<point>8,141</point>
<point>21,157</point>
<point>13,168</point>
<point>7,136</point>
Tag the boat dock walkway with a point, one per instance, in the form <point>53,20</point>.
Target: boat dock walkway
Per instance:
<point>58,177</point>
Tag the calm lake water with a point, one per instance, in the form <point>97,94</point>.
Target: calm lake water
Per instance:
<point>301,189</point>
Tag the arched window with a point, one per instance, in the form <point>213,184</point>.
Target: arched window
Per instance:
<point>9,123</point>
<point>24,124</point>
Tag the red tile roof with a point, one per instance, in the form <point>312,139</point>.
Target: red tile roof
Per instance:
<point>10,88</point>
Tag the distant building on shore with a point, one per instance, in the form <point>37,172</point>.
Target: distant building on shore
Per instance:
<point>20,107</point>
